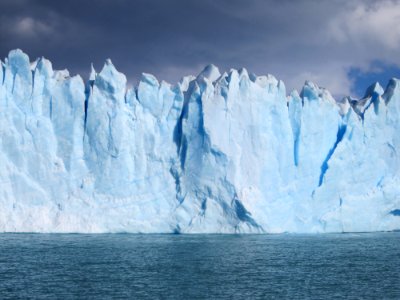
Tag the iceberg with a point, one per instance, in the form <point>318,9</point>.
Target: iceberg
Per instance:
<point>216,153</point>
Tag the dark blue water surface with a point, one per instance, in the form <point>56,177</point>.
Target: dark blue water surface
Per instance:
<point>64,266</point>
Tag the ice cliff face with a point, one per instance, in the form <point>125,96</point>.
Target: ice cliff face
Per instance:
<point>214,153</point>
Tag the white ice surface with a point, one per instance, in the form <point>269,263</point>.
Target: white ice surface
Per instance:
<point>214,153</point>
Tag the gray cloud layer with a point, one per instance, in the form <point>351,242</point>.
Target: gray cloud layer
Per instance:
<point>294,40</point>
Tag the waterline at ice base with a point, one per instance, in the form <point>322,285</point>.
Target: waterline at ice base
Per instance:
<point>216,153</point>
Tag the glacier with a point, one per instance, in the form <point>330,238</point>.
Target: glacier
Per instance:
<point>215,153</point>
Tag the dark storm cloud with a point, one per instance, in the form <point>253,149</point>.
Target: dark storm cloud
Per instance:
<point>294,40</point>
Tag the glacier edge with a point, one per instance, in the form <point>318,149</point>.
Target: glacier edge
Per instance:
<point>216,153</point>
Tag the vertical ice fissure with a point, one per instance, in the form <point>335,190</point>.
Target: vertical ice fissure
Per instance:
<point>325,166</point>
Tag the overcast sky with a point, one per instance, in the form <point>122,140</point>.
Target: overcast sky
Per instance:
<point>340,45</point>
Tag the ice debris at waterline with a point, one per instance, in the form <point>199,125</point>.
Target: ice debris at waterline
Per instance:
<point>214,153</point>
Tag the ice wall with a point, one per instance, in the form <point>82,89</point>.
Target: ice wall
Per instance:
<point>214,153</point>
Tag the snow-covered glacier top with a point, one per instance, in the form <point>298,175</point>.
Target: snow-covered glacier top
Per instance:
<point>218,153</point>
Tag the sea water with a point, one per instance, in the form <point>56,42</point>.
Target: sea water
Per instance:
<point>65,266</point>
